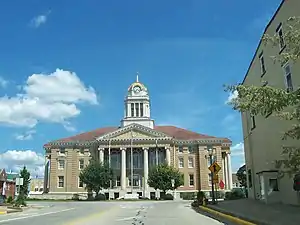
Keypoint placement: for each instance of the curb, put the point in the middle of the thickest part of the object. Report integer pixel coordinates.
(232, 218)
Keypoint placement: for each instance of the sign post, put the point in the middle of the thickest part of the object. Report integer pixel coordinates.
(214, 169)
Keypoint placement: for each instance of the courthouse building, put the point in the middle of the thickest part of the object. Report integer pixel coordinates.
(150, 145)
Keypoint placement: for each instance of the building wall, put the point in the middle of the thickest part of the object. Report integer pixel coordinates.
(263, 142)
(72, 157)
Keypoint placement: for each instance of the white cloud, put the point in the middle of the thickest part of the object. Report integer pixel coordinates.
(48, 98)
(231, 96)
(15, 160)
(237, 149)
(238, 156)
(39, 20)
(3, 82)
(28, 135)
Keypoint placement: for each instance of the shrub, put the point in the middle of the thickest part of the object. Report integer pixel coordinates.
(188, 195)
(168, 197)
(235, 194)
(195, 203)
(75, 197)
(100, 197)
(9, 199)
(201, 196)
(220, 194)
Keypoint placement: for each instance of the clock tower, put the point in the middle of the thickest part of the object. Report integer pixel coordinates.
(137, 106)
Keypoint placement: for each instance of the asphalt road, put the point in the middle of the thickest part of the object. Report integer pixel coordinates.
(109, 213)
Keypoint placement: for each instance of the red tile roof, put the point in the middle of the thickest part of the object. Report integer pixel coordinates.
(175, 132)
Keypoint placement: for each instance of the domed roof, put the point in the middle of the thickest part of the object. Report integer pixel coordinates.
(137, 83)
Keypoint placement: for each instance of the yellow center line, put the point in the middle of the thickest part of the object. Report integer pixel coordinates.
(85, 219)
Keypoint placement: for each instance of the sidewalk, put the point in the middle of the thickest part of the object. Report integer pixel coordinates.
(260, 213)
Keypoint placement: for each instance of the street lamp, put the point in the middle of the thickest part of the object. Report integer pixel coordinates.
(210, 153)
(173, 185)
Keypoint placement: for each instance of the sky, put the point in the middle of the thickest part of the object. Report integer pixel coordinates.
(65, 67)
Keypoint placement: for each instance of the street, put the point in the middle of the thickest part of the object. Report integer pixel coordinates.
(109, 213)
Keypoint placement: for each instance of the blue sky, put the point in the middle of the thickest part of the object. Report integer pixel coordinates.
(184, 51)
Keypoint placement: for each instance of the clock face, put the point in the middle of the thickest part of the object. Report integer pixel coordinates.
(136, 89)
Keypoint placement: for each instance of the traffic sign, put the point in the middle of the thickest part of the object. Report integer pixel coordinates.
(221, 184)
(216, 179)
(215, 168)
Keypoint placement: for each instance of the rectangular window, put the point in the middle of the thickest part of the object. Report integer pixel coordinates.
(262, 64)
(180, 162)
(80, 183)
(191, 162)
(214, 158)
(137, 110)
(61, 164)
(273, 184)
(209, 178)
(190, 149)
(61, 181)
(250, 178)
(253, 124)
(142, 109)
(81, 151)
(280, 36)
(180, 149)
(191, 179)
(81, 164)
(62, 151)
(132, 110)
(288, 78)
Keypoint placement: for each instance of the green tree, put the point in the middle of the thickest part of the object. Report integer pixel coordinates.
(96, 176)
(23, 191)
(241, 176)
(284, 104)
(161, 176)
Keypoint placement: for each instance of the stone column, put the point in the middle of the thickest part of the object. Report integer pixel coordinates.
(229, 171)
(223, 168)
(168, 156)
(146, 170)
(101, 154)
(226, 172)
(123, 169)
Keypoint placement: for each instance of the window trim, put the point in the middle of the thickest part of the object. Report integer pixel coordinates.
(284, 66)
(180, 147)
(193, 162)
(79, 164)
(179, 158)
(209, 180)
(190, 180)
(278, 29)
(262, 64)
(64, 164)
(79, 183)
(253, 122)
(59, 182)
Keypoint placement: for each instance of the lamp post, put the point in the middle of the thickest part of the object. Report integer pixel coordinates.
(173, 185)
(210, 153)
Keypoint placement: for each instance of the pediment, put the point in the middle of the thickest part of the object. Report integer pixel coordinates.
(135, 131)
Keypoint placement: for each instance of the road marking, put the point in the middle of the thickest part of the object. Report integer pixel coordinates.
(89, 217)
(229, 217)
(35, 215)
(127, 218)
